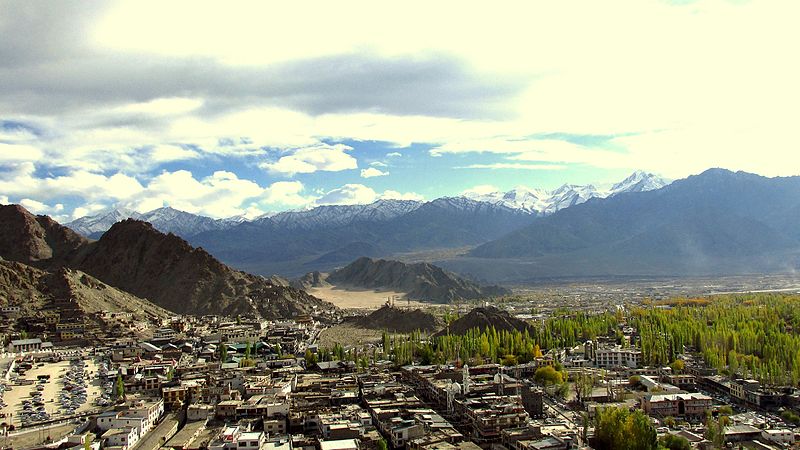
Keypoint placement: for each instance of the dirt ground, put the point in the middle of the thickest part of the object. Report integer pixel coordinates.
(346, 335)
(13, 397)
(359, 299)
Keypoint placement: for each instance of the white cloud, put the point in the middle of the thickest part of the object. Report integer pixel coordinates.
(394, 155)
(14, 153)
(4, 200)
(515, 166)
(286, 193)
(358, 194)
(481, 189)
(166, 153)
(378, 164)
(394, 195)
(371, 172)
(349, 194)
(87, 209)
(322, 157)
(38, 207)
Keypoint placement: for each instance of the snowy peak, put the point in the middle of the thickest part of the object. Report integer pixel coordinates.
(340, 215)
(639, 181)
(92, 226)
(542, 202)
(165, 219)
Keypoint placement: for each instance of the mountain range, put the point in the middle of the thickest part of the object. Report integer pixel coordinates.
(141, 261)
(717, 222)
(292, 243)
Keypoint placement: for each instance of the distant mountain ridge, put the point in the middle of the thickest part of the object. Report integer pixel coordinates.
(166, 220)
(420, 281)
(718, 222)
(541, 202)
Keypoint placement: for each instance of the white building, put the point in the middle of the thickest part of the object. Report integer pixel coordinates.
(778, 436)
(617, 357)
(123, 437)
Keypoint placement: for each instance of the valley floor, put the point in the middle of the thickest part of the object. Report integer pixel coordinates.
(360, 299)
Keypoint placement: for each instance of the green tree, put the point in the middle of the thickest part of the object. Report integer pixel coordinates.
(677, 366)
(119, 387)
(382, 445)
(674, 442)
(311, 358)
(223, 352)
(583, 383)
(547, 375)
(621, 429)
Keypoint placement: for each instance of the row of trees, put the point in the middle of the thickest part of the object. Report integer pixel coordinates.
(755, 336)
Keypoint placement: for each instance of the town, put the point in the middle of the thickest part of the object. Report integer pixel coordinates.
(212, 382)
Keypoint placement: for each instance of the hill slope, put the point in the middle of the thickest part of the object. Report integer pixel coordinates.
(35, 290)
(162, 268)
(421, 281)
(397, 320)
(166, 270)
(715, 222)
(484, 318)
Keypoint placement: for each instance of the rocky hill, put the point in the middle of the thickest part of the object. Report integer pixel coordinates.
(398, 320)
(311, 280)
(420, 281)
(484, 318)
(166, 270)
(162, 268)
(31, 239)
(35, 290)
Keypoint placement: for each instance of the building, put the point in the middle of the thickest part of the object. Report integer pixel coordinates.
(123, 437)
(25, 345)
(778, 436)
(674, 405)
(617, 357)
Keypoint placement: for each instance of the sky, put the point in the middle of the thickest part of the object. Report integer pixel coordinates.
(224, 109)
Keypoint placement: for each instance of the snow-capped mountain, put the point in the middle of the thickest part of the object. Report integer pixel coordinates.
(95, 225)
(339, 215)
(166, 220)
(541, 202)
(537, 202)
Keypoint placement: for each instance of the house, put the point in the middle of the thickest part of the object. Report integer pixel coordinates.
(123, 437)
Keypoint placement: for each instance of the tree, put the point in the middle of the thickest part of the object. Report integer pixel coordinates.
(715, 430)
(547, 375)
(120, 387)
(311, 358)
(223, 352)
(382, 445)
(675, 442)
(582, 385)
(677, 366)
(621, 429)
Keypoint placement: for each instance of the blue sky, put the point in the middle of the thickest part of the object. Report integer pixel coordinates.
(225, 110)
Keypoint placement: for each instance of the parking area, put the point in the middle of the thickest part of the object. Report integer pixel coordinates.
(49, 391)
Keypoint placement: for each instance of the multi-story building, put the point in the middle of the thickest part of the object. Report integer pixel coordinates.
(674, 405)
(617, 357)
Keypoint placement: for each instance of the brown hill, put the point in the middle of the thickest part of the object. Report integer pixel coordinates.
(35, 290)
(420, 281)
(33, 239)
(138, 259)
(399, 320)
(166, 270)
(484, 318)
(311, 280)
